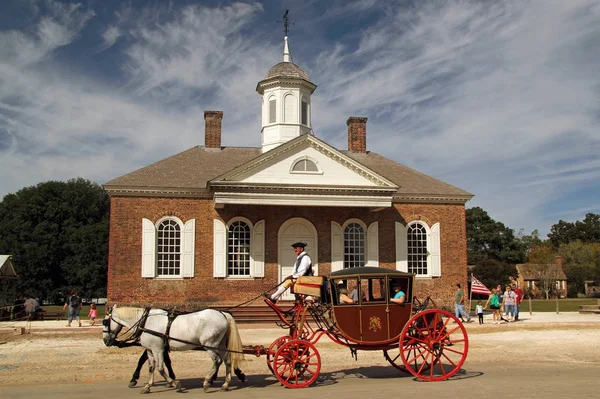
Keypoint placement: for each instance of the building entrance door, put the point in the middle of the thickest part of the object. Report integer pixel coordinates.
(294, 230)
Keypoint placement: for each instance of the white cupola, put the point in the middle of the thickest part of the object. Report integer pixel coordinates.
(286, 109)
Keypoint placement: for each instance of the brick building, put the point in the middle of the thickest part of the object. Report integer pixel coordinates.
(215, 224)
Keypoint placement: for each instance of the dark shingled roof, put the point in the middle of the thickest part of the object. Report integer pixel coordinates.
(287, 70)
(531, 271)
(409, 180)
(194, 168)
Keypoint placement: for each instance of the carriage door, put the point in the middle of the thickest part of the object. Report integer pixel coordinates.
(294, 230)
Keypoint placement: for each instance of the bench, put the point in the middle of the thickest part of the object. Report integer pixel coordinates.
(589, 309)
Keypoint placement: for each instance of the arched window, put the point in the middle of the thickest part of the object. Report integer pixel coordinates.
(354, 245)
(272, 110)
(238, 249)
(417, 249)
(305, 165)
(169, 248)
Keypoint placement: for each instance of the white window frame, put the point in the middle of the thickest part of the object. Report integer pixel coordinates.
(221, 249)
(305, 172)
(337, 243)
(364, 244)
(150, 248)
(250, 228)
(433, 248)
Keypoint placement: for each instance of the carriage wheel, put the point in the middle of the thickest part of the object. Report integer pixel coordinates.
(395, 361)
(297, 364)
(273, 350)
(433, 345)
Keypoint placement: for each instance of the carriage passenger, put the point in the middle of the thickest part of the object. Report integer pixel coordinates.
(344, 298)
(399, 295)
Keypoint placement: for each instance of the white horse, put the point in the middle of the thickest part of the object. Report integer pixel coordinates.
(209, 329)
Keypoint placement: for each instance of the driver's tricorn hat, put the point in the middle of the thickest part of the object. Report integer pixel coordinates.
(299, 245)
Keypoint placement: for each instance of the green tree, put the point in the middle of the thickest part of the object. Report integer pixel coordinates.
(488, 239)
(587, 231)
(581, 263)
(57, 233)
(492, 272)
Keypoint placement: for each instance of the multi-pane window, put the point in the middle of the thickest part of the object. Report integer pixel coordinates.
(354, 245)
(169, 248)
(304, 113)
(417, 249)
(238, 249)
(305, 165)
(272, 111)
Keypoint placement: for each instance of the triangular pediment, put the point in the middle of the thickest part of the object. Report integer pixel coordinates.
(326, 167)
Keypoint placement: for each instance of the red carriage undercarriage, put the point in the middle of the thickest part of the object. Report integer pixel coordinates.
(431, 344)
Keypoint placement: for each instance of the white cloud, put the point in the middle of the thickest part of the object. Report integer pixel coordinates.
(499, 98)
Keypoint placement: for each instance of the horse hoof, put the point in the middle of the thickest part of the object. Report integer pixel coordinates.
(145, 390)
(205, 387)
(179, 387)
(242, 377)
(132, 383)
(224, 388)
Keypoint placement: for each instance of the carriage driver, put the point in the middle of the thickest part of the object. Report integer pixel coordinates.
(302, 267)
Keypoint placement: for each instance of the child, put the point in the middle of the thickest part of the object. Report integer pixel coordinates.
(479, 309)
(93, 314)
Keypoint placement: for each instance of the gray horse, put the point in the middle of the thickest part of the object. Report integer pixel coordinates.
(210, 329)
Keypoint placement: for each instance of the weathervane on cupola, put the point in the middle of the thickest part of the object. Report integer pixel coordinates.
(286, 28)
(285, 91)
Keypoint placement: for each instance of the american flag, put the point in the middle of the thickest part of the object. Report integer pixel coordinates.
(477, 287)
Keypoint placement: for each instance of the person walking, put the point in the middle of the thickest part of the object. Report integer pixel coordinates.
(459, 306)
(480, 312)
(519, 298)
(74, 304)
(494, 304)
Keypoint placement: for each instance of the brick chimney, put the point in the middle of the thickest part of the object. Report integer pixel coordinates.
(212, 129)
(357, 134)
(558, 260)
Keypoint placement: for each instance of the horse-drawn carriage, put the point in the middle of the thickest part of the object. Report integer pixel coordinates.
(429, 343)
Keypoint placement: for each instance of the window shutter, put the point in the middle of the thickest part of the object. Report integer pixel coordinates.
(401, 248)
(434, 251)
(272, 111)
(148, 249)
(304, 113)
(258, 249)
(187, 252)
(219, 249)
(373, 245)
(337, 247)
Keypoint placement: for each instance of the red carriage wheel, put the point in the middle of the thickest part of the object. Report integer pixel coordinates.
(395, 360)
(433, 345)
(273, 350)
(297, 364)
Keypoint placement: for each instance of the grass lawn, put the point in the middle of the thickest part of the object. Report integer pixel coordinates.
(549, 305)
(85, 310)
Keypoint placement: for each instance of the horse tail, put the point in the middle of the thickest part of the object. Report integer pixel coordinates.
(234, 344)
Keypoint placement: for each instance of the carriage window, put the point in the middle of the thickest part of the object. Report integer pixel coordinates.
(349, 288)
(373, 289)
(169, 248)
(354, 245)
(417, 249)
(238, 249)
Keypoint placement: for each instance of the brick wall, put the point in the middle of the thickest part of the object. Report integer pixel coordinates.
(125, 284)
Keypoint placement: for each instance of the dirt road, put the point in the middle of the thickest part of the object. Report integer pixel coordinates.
(78, 355)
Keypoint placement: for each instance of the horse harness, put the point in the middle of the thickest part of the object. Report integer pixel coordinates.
(140, 327)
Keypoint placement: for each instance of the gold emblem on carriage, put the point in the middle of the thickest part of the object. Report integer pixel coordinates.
(374, 323)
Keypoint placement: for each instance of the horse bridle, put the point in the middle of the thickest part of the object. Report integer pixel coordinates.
(136, 328)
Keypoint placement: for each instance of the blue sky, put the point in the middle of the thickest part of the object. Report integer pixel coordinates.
(500, 98)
